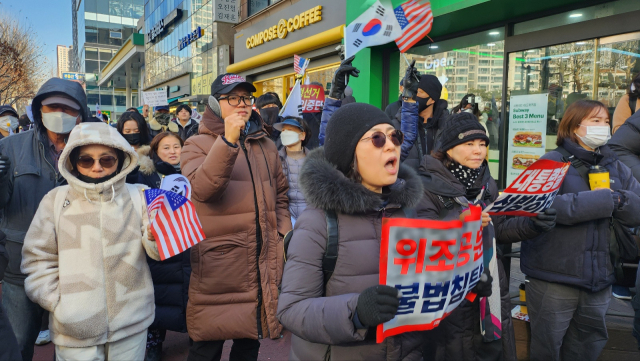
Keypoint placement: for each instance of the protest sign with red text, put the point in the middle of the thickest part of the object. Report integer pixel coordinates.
(532, 192)
(312, 98)
(434, 264)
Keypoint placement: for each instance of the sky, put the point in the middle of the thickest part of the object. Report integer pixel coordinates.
(49, 19)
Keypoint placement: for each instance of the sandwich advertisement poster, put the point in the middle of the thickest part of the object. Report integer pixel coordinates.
(527, 132)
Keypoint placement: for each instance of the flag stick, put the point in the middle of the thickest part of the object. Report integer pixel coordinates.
(408, 64)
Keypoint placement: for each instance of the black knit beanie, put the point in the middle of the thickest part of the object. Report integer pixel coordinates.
(460, 128)
(346, 126)
(430, 84)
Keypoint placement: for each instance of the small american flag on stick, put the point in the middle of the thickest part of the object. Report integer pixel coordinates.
(415, 19)
(174, 222)
(300, 64)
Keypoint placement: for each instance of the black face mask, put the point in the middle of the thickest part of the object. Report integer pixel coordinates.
(163, 118)
(422, 103)
(133, 138)
(269, 115)
(90, 180)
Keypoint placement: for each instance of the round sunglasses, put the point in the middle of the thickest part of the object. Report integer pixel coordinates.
(87, 162)
(379, 138)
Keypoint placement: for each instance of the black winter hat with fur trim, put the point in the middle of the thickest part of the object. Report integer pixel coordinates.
(346, 126)
(460, 128)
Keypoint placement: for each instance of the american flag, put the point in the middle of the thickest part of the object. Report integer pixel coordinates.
(416, 20)
(300, 64)
(176, 226)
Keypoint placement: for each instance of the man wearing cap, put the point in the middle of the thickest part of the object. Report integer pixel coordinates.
(8, 121)
(423, 115)
(28, 171)
(161, 121)
(240, 195)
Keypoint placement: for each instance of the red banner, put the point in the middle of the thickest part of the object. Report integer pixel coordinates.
(312, 98)
(532, 192)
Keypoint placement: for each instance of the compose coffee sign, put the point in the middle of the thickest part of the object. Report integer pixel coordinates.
(285, 26)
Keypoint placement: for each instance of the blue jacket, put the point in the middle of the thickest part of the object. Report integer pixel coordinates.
(171, 276)
(416, 131)
(626, 143)
(32, 174)
(576, 251)
(330, 106)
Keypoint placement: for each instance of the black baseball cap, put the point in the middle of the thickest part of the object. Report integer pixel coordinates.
(227, 82)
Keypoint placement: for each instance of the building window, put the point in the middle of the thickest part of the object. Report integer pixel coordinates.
(258, 5)
(115, 35)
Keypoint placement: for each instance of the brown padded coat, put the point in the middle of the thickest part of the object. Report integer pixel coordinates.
(227, 288)
(322, 326)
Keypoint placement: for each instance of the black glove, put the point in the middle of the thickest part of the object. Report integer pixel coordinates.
(544, 222)
(341, 77)
(483, 288)
(5, 164)
(410, 81)
(377, 304)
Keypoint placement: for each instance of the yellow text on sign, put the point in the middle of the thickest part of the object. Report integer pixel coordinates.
(285, 26)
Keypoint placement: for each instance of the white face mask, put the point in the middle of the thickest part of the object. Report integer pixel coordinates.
(59, 122)
(9, 123)
(289, 137)
(596, 137)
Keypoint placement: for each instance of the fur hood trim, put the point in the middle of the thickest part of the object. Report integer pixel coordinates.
(144, 160)
(326, 188)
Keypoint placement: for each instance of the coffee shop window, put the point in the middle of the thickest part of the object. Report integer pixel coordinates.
(258, 5)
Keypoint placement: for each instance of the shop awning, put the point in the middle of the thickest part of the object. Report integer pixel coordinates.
(129, 56)
(194, 98)
(176, 99)
(317, 41)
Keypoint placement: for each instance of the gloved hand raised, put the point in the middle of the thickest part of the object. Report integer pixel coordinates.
(545, 222)
(5, 164)
(483, 288)
(341, 77)
(410, 81)
(377, 304)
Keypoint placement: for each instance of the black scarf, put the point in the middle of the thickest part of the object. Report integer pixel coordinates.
(467, 176)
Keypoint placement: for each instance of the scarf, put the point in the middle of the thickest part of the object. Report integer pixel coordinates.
(467, 176)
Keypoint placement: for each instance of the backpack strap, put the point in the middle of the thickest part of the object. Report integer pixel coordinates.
(633, 99)
(59, 204)
(575, 162)
(136, 198)
(330, 256)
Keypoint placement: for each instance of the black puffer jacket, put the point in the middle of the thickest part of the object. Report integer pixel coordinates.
(171, 276)
(425, 138)
(625, 142)
(458, 336)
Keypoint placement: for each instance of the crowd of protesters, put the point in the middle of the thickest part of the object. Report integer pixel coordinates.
(75, 239)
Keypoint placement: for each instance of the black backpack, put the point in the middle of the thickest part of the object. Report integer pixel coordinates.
(330, 256)
(622, 245)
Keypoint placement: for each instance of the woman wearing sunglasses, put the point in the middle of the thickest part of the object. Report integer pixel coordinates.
(456, 176)
(353, 181)
(171, 276)
(84, 253)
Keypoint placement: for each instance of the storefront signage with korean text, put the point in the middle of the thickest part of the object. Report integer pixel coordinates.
(285, 26)
(156, 30)
(532, 192)
(202, 85)
(312, 98)
(434, 265)
(193, 36)
(226, 11)
(527, 132)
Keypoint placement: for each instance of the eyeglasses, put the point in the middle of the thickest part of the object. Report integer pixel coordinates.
(379, 138)
(87, 162)
(234, 100)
